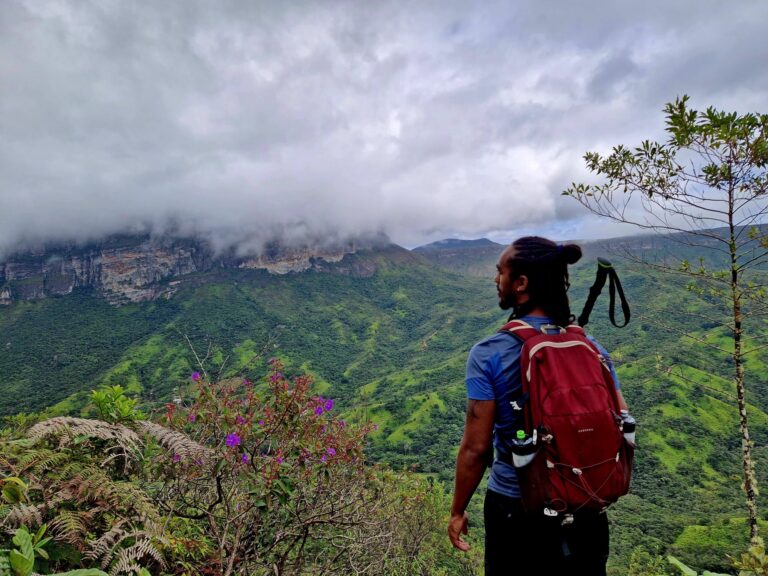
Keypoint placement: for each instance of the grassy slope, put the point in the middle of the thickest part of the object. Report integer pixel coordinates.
(391, 348)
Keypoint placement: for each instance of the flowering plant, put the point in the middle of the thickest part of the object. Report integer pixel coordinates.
(268, 473)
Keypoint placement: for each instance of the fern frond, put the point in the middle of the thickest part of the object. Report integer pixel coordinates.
(72, 468)
(42, 459)
(127, 558)
(176, 442)
(104, 546)
(71, 526)
(23, 515)
(67, 428)
(145, 509)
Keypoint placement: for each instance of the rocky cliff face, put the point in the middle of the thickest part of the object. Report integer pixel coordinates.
(136, 269)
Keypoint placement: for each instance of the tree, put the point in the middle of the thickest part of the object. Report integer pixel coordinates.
(706, 188)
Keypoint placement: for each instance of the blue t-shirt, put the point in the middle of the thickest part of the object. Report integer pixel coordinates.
(493, 373)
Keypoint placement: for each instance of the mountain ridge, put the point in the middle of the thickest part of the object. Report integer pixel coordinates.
(138, 269)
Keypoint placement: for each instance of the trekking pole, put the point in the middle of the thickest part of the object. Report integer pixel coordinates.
(605, 271)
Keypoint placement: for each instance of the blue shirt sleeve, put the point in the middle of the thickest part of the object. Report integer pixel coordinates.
(479, 380)
(608, 360)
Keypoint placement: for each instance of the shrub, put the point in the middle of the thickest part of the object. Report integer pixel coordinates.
(239, 478)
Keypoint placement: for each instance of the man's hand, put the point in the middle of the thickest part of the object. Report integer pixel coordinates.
(458, 525)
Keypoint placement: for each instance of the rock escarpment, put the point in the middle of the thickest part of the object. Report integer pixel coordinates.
(138, 269)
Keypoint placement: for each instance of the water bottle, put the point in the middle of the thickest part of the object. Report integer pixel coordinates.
(628, 426)
(523, 448)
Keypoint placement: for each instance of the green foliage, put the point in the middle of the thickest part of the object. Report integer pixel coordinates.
(114, 406)
(28, 548)
(261, 473)
(644, 563)
(14, 490)
(23, 557)
(686, 571)
(753, 562)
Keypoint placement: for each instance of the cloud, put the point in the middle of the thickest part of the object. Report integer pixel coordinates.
(248, 121)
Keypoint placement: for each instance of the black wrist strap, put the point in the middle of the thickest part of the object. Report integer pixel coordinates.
(605, 271)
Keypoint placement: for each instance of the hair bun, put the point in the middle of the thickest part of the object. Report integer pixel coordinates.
(571, 253)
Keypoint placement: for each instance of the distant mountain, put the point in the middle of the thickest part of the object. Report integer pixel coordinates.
(456, 243)
(472, 257)
(126, 269)
(479, 257)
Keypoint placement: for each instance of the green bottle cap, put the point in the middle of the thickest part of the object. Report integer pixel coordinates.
(521, 434)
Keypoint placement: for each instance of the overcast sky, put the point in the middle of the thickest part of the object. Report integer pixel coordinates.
(243, 120)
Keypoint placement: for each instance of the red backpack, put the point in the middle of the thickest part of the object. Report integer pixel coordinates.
(581, 460)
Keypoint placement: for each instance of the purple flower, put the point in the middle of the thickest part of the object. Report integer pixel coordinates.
(323, 429)
(195, 376)
(329, 405)
(239, 420)
(275, 377)
(246, 382)
(331, 451)
(192, 417)
(375, 427)
(176, 458)
(279, 460)
(323, 459)
(319, 410)
(199, 462)
(233, 440)
(244, 459)
(261, 422)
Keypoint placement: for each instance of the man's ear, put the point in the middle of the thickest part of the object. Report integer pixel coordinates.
(521, 283)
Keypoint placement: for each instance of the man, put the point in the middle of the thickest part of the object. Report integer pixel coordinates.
(532, 280)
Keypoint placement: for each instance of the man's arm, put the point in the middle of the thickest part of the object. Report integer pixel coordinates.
(471, 462)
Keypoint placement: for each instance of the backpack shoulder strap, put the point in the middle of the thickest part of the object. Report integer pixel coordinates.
(575, 329)
(519, 329)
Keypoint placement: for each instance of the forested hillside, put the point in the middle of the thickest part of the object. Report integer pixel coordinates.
(390, 350)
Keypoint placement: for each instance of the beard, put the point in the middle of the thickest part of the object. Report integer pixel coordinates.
(506, 303)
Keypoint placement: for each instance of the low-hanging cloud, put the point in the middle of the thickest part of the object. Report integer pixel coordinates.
(248, 121)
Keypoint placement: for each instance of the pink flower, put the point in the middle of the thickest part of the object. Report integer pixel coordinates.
(233, 440)
(176, 458)
(195, 376)
(192, 417)
(275, 377)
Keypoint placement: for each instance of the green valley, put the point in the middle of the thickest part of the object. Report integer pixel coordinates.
(389, 347)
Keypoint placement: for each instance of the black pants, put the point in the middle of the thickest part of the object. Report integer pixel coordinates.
(518, 544)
